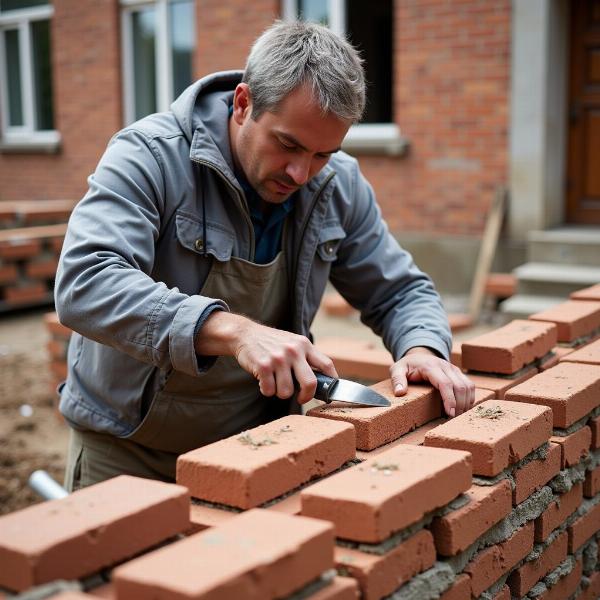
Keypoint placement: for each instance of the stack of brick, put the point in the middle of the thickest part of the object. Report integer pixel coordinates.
(31, 237)
(58, 343)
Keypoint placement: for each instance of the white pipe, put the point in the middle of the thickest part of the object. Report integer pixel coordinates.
(41, 483)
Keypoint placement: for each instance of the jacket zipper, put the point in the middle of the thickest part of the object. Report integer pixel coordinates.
(240, 200)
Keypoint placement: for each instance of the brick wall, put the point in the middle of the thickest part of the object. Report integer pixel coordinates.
(451, 100)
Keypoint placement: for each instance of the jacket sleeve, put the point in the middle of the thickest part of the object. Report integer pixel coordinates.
(379, 278)
(103, 289)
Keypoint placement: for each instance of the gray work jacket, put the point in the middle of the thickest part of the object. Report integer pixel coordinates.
(164, 203)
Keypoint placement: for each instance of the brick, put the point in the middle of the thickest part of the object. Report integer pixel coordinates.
(341, 588)
(589, 354)
(8, 274)
(55, 327)
(535, 474)
(562, 351)
(334, 305)
(19, 249)
(584, 528)
(371, 501)
(26, 294)
(574, 447)
(59, 369)
(503, 594)
(376, 426)
(496, 442)
(357, 359)
(456, 354)
(256, 555)
(521, 580)
(591, 485)
(548, 362)
(42, 269)
(500, 385)
(566, 586)
(557, 512)
(571, 390)
(457, 530)
(57, 349)
(574, 319)
(594, 425)
(509, 348)
(204, 517)
(459, 590)
(379, 576)
(106, 591)
(589, 293)
(88, 530)
(592, 592)
(497, 560)
(482, 395)
(265, 462)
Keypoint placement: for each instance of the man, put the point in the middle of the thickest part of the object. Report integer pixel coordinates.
(195, 264)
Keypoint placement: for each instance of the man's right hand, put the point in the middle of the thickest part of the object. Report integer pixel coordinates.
(271, 355)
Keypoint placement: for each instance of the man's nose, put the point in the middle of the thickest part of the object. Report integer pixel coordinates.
(299, 170)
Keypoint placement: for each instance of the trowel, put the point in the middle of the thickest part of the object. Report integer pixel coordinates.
(343, 390)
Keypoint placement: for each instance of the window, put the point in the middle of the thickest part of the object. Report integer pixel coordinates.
(158, 44)
(27, 116)
(369, 26)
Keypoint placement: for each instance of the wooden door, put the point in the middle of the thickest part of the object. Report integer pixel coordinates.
(583, 167)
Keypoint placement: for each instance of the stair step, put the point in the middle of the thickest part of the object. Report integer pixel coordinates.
(522, 306)
(566, 245)
(539, 279)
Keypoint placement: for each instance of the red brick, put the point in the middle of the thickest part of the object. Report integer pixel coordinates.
(503, 594)
(493, 562)
(592, 592)
(26, 294)
(535, 474)
(509, 348)
(501, 285)
(59, 369)
(376, 426)
(357, 359)
(495, 443)
(584, 528)
(566, 586)
(341, 588)
(589, 293)
(265, 462)
(457, 530)
(371, 501)
(55, 327)
(594, 425)
(574, 319)
(42, 269)
(574, 447)
(591, 485)
(557, 512)
(500, 385)
(571, 390)
(548, 362)
(8, 274)
(334, 305)
(459, 590)
(456, 354)
(562, 351)
(589, 354)
(258, 555)
(57, 349)
(521, 580)
(19, 249)
(379, 576)
(92, 528)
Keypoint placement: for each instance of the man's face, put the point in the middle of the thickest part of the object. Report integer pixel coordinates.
(282, 150)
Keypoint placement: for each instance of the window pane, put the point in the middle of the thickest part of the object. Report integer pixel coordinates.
(314, 10)
(370, 30)
(16, 4)
(144, 61)
(42, 75)
(181, 19)
(13, 71)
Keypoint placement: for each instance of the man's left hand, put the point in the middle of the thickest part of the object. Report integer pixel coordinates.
(421, 364)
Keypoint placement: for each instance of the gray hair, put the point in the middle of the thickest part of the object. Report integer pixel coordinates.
(290, 54)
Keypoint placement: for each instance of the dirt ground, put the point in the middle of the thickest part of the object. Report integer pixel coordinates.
(32, 434)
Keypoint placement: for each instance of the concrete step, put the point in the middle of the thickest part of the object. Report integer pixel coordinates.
(549, 279)
(521, 306)
(565, 245)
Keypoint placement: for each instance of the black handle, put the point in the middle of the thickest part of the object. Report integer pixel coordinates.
(325, 385)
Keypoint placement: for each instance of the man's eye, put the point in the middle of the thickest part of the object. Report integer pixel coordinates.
(286, 146)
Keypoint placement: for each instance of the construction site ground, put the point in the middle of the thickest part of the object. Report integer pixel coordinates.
(32, 433)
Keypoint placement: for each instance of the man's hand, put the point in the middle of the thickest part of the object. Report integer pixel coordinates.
(421, 364)
(271, 355)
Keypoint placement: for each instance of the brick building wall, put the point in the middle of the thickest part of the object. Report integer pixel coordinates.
(451, 94)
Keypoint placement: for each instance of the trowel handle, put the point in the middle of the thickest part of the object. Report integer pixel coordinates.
(325, 385)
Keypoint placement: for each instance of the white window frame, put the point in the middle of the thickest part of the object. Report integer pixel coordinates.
(25, 137)
(364, 138)
(162, 51)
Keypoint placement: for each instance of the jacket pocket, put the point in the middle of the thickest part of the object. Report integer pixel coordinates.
(190, 233)
(330, 238)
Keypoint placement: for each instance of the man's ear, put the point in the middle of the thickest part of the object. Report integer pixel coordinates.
(242, 103)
